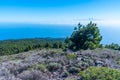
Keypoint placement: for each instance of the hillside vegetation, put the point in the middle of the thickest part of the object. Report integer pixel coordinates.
(56, 64)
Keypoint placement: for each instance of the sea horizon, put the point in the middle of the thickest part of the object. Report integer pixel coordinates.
(23, 31)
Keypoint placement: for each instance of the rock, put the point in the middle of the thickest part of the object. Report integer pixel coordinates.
(99, 63)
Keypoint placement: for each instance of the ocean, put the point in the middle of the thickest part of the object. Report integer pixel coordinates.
(20, 31)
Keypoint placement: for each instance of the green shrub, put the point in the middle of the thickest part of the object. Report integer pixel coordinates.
(41, 67)
(70, 79)
(65, 74)
(100, 73)
(74, 70)
(53, 66)
(72, 56)
(118, 61)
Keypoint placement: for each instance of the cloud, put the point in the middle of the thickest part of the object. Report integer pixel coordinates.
(90, 19)
(87, 20)
(101, 22)
(70, 21)
(110, 22)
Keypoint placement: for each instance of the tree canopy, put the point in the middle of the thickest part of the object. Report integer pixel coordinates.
(85, 37)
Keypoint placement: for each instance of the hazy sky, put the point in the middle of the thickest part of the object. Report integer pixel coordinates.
(103, 12)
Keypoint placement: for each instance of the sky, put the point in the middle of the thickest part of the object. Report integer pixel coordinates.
(102, 12)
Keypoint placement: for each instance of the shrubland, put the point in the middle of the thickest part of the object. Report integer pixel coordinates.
(52, 64)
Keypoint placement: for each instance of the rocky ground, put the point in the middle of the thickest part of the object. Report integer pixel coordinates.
(55, 64)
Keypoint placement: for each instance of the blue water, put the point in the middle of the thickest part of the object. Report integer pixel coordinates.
(19, 31)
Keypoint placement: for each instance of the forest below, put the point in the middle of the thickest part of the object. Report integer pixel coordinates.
(8, 47)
